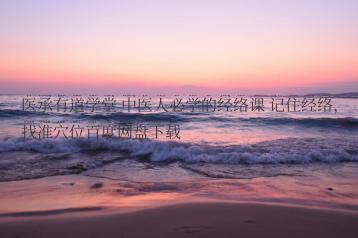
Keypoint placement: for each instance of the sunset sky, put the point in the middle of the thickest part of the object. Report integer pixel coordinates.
(150, 45)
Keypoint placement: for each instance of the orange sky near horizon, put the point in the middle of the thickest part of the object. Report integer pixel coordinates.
(158, 44)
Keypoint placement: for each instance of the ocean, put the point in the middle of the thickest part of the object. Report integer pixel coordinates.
(292, 157)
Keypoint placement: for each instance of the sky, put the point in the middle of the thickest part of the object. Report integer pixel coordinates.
(107, 46)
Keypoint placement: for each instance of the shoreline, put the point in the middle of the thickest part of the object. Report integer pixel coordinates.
(78, 191)
(118, 210)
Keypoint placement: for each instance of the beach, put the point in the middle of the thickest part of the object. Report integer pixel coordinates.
(214, 219)
(82, 206)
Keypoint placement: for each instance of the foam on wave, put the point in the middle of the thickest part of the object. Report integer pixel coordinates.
(284, 151)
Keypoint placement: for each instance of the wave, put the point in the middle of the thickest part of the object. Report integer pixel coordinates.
(28, 159)
(13, 113)
(235, 119)
(117, 116)
(137, 117)
(346, 122)
(282, 151)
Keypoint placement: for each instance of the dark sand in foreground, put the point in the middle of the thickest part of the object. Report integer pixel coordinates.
(189, 220)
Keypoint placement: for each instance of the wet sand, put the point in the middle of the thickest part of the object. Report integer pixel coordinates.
(81, 206)
(206, 219)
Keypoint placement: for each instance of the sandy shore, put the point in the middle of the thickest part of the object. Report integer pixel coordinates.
(187, 220)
